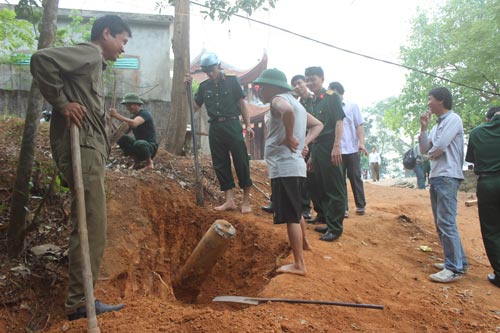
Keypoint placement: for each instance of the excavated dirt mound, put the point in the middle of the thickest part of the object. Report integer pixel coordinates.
(154, 225)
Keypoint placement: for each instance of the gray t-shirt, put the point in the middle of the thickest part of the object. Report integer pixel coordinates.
(281, 161)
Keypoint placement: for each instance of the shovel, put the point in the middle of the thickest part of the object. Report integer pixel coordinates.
(76, 160)
(258, 300)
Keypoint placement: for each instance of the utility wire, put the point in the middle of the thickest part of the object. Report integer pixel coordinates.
(353, 52)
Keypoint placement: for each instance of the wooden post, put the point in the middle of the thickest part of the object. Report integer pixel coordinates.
(204, 257)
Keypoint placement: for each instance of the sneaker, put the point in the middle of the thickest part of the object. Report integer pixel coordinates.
(360, 211)
(445, 276)
(346, 214)
(439, 265)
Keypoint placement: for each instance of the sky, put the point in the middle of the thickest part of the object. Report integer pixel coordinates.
(375, 28)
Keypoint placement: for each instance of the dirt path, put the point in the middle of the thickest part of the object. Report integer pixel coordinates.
(377, 261)
(154, 225)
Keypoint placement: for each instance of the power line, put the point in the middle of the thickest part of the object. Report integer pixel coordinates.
(353, 52)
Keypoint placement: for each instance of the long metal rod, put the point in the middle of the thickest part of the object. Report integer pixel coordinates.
(198, 186)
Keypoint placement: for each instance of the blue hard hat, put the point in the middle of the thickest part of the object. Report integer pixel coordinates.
(209, 59)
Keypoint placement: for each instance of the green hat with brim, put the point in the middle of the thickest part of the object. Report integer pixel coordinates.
(273, 77)
(131, 99)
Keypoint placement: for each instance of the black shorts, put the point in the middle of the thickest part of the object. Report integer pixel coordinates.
(286, 198)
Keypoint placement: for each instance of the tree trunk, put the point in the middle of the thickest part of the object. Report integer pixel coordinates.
(175, 132)
(20, 194)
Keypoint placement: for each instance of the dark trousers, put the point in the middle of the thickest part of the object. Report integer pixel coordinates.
(351, 169)
(140, 150)
(226, 141)
(327, 188)
(488, 199)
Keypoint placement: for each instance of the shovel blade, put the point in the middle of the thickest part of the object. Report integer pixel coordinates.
(236, 299)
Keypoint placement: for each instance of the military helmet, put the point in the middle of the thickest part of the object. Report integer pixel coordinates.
(131, 98)
(273, 77)
(209, 59)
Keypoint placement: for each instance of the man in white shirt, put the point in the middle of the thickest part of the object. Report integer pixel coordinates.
(374, 160)
(353, 144)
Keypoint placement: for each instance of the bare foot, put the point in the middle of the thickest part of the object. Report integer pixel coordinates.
(306, 246)
(291, 269)
(245, 208)
(148, 166)
(226, 206)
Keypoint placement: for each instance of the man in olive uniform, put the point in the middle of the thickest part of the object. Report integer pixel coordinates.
(482, 150)
(305, 97)
(143, 146)
(327, 185)
(71, 79)
(224, 100)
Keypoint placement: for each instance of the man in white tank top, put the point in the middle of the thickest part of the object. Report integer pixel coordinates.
(285, 142)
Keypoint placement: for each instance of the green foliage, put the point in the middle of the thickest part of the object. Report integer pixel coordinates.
(77, 31)
(389, 143)
(458, 41)
(60, 186)
(224, 9)
(14, 34)
(18, 33)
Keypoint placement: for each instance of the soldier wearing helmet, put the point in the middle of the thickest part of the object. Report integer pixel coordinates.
(225, 102)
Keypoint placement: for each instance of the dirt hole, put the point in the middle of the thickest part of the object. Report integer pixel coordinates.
(166, 232)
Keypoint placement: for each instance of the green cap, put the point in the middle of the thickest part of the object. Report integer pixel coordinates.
(273, 77)
(131, 98)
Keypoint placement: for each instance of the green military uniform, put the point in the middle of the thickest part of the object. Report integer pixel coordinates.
(222, 100)
(75, 74)
(143, 145)
(482, 150)
(327, 186)
(306, 195)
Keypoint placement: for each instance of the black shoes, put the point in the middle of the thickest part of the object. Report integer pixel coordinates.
(360, 211)
(268, 209)
(494, 279)
(329, 237)
(100, 308)
(306, 215)
(321, 230)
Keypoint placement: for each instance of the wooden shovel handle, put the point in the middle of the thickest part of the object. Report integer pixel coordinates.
(76, 159)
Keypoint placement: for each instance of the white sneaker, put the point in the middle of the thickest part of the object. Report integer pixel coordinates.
(445, 276)
(439, 265)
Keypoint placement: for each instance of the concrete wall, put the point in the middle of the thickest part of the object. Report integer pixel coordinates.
(150, 43)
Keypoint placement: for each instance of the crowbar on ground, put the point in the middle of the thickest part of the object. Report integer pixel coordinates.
(259, 300)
